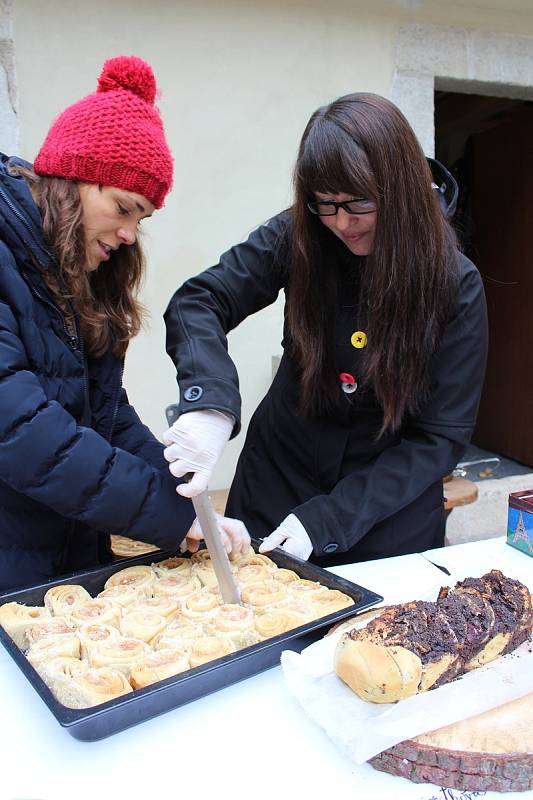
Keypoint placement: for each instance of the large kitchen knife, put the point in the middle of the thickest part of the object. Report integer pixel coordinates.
(219, 558)
(208, 524)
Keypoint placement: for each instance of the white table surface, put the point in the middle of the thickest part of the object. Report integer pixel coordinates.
(250, 740)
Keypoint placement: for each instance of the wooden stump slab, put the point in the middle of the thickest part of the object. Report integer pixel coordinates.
(490, 752)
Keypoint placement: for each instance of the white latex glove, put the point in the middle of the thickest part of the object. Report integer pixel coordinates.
(195, 442)
(235, 537)
(295, 537)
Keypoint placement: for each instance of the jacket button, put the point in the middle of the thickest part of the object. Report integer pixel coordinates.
(330, 548)
(193, 393)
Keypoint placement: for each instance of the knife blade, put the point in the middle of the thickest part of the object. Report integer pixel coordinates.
(208, 523)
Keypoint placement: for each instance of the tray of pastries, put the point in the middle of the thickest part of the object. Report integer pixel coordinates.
(111, 647)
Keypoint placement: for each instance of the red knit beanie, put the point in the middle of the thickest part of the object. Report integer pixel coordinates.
(114, 136)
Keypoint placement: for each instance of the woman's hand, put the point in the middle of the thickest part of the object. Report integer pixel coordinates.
(233, 532)
(195, 442)
(292, 537)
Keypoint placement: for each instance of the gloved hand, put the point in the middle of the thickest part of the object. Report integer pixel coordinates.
(235, 537)
(195, 442)
(295, 537)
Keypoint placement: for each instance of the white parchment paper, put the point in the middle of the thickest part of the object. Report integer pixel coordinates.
(362, 730)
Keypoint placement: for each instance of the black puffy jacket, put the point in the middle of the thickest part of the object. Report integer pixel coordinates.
(75, 460)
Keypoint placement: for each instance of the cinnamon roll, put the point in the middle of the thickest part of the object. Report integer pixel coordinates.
(119, 654)
(142, 624)
(172, 566)
(234, 621)
(304, 589)
(206, 574)
(279, 620)
(77, 685)
(285, 575)
(200, 603)
(97, 610)
(56, 626)
(262, 595)
(91, 633)
(122, 594)
(140, 578)
(52, 647)
(249, 574)
(177, 587)
(167, 606)
(63, 599)
(207, 648)
(200, 557)
(15, 619)
(179, 634)
(157, 666)
(329, 601)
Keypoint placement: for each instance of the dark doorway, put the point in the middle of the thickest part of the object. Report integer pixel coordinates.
(487, 143)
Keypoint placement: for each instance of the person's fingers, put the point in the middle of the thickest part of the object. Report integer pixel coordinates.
(272, 541)
(193, 545)
(168, 437)
(237, 532)
(194, 487)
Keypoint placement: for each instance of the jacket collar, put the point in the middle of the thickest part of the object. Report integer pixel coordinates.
(20, 218)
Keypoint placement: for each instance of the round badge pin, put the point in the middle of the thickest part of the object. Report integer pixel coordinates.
(358, 339)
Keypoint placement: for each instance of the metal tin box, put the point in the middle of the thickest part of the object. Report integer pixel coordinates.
(520, 521)
(97, 722)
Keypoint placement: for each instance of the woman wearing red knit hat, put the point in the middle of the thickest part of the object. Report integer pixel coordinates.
(76, 462)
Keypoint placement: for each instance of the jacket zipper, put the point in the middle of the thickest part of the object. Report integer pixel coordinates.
(117, 397)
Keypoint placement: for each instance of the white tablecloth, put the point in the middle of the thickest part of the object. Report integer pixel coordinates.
(250, 740)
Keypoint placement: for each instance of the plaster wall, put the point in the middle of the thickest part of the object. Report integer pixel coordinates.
(238, 81)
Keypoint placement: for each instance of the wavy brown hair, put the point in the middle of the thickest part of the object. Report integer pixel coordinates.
(105, 299)
(362, 145)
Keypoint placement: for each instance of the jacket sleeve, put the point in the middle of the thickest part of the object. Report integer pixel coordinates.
(431, 444)
(73, 470)
(130, 434)
(248, 278)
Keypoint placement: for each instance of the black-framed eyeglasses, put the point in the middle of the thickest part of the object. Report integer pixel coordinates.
(328, 208)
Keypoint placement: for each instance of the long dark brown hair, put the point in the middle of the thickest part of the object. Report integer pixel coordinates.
(105, 299)
(362, 145)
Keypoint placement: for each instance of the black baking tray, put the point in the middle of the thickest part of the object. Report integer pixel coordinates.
(100, 721)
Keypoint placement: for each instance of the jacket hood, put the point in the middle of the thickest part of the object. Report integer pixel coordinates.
(20, 218)
(446, 187)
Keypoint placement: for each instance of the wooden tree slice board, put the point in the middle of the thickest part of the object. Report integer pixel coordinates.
(492, 751)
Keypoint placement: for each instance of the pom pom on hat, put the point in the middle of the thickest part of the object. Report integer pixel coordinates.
(114, 136)
(130, 73)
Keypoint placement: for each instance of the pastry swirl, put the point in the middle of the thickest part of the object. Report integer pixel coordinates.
(63, 599)
(119, 654)
(139, 577)
(207, 648)
(172, 566)
(176, 586)
(97, 610)
(77, 685)
(122, 594)
(261, 595)
(15, 619)
(279, 620)
(200, 603)
(157, 666)
(52, 647)
(234, 621)
(91, 633)
(142, 624)
(56, 626)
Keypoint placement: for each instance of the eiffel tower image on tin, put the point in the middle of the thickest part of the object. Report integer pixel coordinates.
(520, 534)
